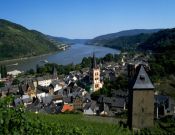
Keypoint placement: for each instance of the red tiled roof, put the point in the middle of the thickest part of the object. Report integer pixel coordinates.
(67, 107)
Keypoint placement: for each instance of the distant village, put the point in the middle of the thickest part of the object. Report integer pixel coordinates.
(55, 94)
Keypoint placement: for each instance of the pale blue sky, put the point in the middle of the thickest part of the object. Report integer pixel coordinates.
(88, 18)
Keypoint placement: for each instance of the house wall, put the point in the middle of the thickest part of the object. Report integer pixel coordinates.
(57, 87)
(45, 82)
(89, 112)
(143, 109)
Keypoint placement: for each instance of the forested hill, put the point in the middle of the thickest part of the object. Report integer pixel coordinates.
(162, 45)
(126, 33)
(17, 41)
(161, 41)
(125, 39)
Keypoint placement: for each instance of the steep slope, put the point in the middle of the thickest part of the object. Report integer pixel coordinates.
(17, 41)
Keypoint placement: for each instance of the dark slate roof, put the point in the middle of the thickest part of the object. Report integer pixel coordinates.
(104, 99)
(30, 84)
(42, 89)
(91, 105)
(117, 102)
(160, 98)
(142, 80)
(47, 100)
(54, 83)
(119, 92)
(67, 99)
(17, 101)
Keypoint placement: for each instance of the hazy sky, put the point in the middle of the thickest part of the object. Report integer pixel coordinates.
(88, 18)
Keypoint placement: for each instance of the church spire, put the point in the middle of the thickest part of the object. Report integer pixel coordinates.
(55, 73)
(94, 64)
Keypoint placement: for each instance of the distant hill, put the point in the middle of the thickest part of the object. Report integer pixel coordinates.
(60, 39)
(67, 40)
(17, 41)
(126, 33)
(123, 39)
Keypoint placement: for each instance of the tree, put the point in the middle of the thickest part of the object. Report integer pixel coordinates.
(15, 82)
(31, 71)
(2, 84)
(3, 71)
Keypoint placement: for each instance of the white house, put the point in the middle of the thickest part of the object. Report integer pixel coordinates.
(41, 95)
(14, 73)
(90, 108)
(44, 81)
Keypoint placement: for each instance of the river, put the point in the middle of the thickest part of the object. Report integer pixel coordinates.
(74, 54)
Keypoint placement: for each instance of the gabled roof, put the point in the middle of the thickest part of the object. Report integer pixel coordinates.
(142, 80)
(117, 102)
(90, 105)
(67, 107)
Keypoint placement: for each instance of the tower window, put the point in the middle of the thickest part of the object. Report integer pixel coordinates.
(96, 85)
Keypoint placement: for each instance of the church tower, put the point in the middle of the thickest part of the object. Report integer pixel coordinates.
(95, 75)
(141, 100)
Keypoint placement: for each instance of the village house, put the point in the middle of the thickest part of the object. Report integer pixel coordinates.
(14, 73)
(164, 105)
(44, 81)
(90, 108)
(111, 105)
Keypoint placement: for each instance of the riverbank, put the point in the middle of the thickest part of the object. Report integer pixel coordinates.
(62, 48)
(26, 58)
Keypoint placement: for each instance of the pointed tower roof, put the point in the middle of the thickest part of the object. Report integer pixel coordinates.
(142, 81)
(54, 72)
(94, 64)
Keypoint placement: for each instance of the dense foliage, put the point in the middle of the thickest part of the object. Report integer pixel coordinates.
(3, 71)
(16, 41)
(121, 83)
(160, 41)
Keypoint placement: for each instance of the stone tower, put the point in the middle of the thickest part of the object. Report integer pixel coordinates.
(141, 101)
(95, 75)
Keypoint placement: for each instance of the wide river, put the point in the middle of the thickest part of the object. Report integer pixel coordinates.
(74, 54)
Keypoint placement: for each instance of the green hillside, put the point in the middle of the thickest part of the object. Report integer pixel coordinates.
(160, 41)
(123, 40)
(17, 41)
(126, 42)
(162, 44)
